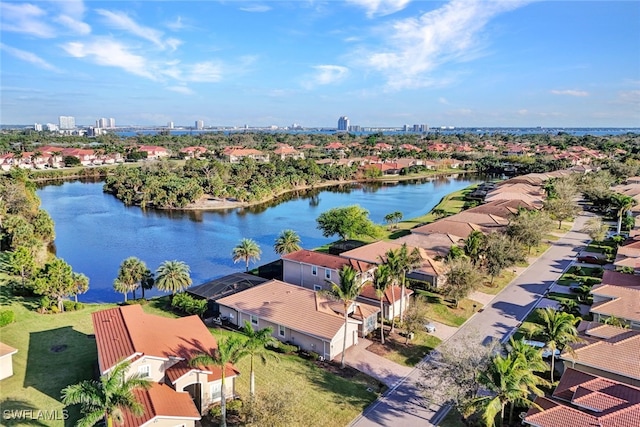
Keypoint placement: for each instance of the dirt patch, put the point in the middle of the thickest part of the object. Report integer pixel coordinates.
(58, 348)
(347, 372)
(392, 342)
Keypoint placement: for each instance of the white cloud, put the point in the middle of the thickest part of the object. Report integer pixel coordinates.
(122, 21)
(73, 8)
(74, 25)
(180, 89)
(414, 47)
(326, 74)
(107, 52)
(380, 7)
(570, 92)
(256, 8)
(629, 97)
(205, 72)
(443, 100)
(28, 57)
(26, 19)
(176, 25)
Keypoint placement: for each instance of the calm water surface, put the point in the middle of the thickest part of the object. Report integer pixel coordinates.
(96, 232)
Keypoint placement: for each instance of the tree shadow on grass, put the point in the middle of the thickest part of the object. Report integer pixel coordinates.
(7, 296)
(58, 358)
(17, 412)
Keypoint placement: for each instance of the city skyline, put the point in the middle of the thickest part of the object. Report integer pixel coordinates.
(459, 63)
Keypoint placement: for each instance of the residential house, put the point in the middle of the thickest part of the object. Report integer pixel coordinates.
(222, 287)
(160, 349)
(193, 152)
(86, 156)
(488, 223)
(410, 147)
(6, 360)
(446, 226)
(285, 151)
(503, 208)
(383, 146)
(436, 245)
(606, 351)
(300, 316)
(619, 296)
(584, 399)
(154, 151)
(390, 299)
(314, 270)
(235, 154)
(628, 255)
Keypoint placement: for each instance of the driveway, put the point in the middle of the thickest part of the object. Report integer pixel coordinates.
(384, 370)
(444, 332)
(403, 406)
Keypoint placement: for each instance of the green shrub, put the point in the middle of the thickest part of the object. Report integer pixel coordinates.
(6, 317)
(54, 309)
(215, 411)
(69, 305)
(45, 302)
(234, 407)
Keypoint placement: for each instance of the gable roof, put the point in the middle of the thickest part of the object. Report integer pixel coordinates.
(6, 350)
(502, 208)
(617, 353)
(446, 226)
(590, 401)
(223, 286)
(391, 294)
(624, 302)
(127, 332)
(320, 259)
(161, 401)
(435, 244)
(291, 306)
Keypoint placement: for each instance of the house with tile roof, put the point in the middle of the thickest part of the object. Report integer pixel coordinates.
(160, 348)
(235, 154)
(606, 351)
(154, 151)
(285, 151)
(436, 245)
(618, 295)
(446, 226)
(300, 316)
(6, 360)
(194, 152)
(586, 400)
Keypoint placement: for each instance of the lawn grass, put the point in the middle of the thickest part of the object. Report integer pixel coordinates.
(499, 282)
(444, 312)
(40, 373)
(453, 419)
(560, 297)
(323, 398)
(408, 354)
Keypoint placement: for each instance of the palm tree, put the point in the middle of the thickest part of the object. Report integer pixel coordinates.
(473, 245)
(381, 282)
(288, 241)
(556, 330)
(346, 291)
(510, 380)
(173, 276)
(255, 346)
(246, 250)
(406, 261)
(107, 397)
(621, 203)
(228, 352)
(392, 264)
(130, 275)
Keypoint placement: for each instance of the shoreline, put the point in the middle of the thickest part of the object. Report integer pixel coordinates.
(206, 203)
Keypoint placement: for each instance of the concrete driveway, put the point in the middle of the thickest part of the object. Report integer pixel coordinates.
(384, 370)
(444, 332)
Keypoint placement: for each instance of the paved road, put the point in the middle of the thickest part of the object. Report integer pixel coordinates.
(401, 406)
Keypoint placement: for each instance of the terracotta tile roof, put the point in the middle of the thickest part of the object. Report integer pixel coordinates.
(320, 259)
(610, 277)
(624, 303)
(369, 292)
(163, 402)
(289, 305)
(616, 354)
(375, 253)
(194, 149)
(125, 332)
(182, 368)
(6, 350)
(241, 152)
(594, 400)
(502, 208)
(435, 244)
(446, 226)
(631, 249)
(487, 221)
(363, 311)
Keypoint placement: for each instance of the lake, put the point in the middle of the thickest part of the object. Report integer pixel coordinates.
(95, 232)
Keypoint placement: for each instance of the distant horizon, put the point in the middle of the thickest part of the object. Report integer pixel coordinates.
(462, 63)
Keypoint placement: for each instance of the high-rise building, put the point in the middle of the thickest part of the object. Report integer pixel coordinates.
(343, 123)
(170, 125)
(67, 122)
(37, 127)
(112, 123)
(199, 124)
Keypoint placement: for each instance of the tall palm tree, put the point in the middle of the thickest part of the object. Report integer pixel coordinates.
(509, 380)
(381, 282)
(473, 245)
(621, 203)
(556, 330)
(346, 291)
(392, 263)
(228, 352)
(173, 276)
(246, 250)
(405, 262)
(288, 241)
(130, 275)
(107, 397)
(255, 346)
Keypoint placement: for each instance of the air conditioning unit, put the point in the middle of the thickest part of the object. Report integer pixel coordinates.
(321, 358)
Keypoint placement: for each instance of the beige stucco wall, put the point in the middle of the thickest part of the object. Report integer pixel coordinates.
(156, 368)
(169, 422)
(302, 275)
(6, 366)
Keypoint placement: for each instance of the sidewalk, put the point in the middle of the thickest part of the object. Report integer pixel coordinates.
(378, 367)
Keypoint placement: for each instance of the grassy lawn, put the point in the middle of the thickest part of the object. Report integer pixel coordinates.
(453, 419)
(408, 354)
(444, 312)
(499, 282)
(324, 398)
(56, 350)
(560, 297)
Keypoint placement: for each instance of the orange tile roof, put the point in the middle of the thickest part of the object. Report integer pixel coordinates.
(456, 228)
(182, 368)
(610, 277)
(435, 244)
(392, 292)
(375, 253)
(289, 305)
(163, 402)
(320, 259)
(502, 208)
(624, 302)
(125, 332)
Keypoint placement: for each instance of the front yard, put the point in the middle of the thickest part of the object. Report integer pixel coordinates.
(445, 312)
(408, 354)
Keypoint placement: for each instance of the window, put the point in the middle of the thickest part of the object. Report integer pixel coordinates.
(254, 320)
(314, 270)
(317, 288)
(216, 391)
(281, 330)
(327, 274)
(144, 371)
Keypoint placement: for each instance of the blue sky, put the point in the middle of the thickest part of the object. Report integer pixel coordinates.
(380, 62)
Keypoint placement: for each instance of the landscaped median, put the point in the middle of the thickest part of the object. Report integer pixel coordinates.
(56, 350)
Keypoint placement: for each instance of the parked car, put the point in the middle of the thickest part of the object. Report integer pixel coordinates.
(430, 327)
(590, 259)
(546, 352)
